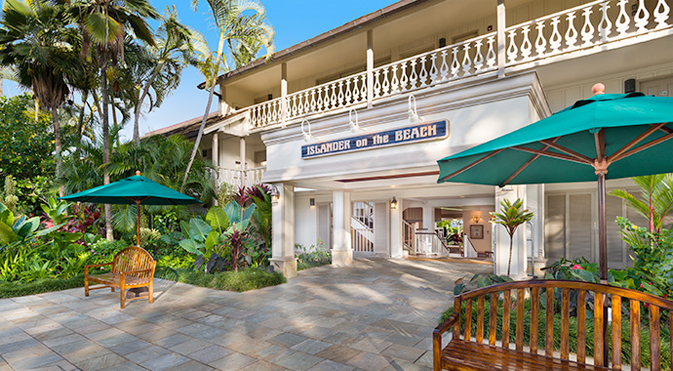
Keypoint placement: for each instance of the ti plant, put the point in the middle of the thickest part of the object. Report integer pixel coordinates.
(221, 239)
(511, 216)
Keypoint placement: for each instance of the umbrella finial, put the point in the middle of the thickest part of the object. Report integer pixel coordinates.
(598, 89)
(137, 172)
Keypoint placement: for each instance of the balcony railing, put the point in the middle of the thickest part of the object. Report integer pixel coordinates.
(240, 178)
(597, 23)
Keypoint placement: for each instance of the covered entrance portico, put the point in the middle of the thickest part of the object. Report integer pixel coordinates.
(356, 185)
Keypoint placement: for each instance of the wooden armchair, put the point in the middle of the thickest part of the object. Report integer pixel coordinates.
(132, 267)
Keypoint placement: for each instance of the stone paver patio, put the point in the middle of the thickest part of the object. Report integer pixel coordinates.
(376, 315)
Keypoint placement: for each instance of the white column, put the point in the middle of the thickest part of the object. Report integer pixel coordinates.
(396, 231)
(535, 247)
(216, 160)
(519, 256)
(370, 68)
(242, 156)
(429, 226)
(502, 38)
(283, 93)
(342, 253)
(224, 106)
(282, 238)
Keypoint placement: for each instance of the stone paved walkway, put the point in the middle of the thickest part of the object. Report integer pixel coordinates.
(375, 315)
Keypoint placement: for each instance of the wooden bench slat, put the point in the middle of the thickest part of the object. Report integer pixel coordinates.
(468, 319)
(581, 326)
(534, 319)
(635, 334)
(519, 318)
(549, 331)
(655, 352)
(457, 309)
(565, 323)
(599, 322)
(480, 319)
(506, 317)
(617, 332)
(493, 320)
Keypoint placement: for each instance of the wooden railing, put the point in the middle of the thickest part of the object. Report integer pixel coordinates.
(240, 178)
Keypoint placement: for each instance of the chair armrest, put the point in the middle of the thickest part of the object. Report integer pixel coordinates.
(444, 326)
(86, 267)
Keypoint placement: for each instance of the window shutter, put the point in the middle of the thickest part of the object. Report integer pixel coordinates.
(554, 227)
(580, 224)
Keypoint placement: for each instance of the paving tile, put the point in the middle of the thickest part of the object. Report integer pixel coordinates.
(98, 363)
(210, 354)
(288, 339)
(130, 347)
(339, 353)
(328, 365)
(298, 361)
(165, 362)
(191, 366)
(143, 355)
(403, 352)
(311, 346)
(232, 362)
(36, 361)
(263, 366)
(371, 345)
(369, 361)
(191, 346)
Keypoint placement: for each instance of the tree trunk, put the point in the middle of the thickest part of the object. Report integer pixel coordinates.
(509, 263)
(139, 104)
(57, 144)
(106, 149)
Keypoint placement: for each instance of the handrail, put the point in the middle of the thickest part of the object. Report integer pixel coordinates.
(467, 241)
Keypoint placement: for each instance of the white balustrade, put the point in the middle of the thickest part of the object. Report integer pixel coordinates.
(240, 178)
(584, 26)
(452, 62)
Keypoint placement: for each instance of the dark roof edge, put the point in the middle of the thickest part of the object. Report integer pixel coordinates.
(323, 37)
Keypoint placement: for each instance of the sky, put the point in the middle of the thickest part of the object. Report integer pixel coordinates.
(293, 20)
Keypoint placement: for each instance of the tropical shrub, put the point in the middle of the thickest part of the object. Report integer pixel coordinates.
(313, 256)
(511, 216)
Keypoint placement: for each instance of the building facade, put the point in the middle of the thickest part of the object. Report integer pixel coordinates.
(348, 126)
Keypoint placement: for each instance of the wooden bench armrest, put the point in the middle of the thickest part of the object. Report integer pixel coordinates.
(444, 326)
(86, 267)
(437, 339)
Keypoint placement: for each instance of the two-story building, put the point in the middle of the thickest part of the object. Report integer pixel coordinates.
(348, 125)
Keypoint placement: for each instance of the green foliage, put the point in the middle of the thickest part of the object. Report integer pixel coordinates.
(313, 256)
(656, 198)
(243, 280)
(15, 289)
(511, 216)
(25, 145)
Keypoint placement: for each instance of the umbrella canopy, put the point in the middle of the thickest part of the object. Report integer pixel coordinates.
(606, 136)
(135, 190)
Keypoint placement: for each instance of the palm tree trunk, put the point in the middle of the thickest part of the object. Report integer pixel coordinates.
(139, 104)
(509, 263)
(203, 125)
(106, 149)
(57, 144)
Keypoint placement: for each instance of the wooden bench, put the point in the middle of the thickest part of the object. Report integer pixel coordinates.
(475, 350)
(131, 268)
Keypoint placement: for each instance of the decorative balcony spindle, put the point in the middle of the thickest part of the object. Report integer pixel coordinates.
(661, 13)
(526, 45)
(642, 17)
(588, 28)
(348, 95)
(467, 61)
(540, 41)
(404, 80)
(605, 27)
(333, 96)
(413, 77)
(395, 81)
(571, 33)
(455, 65)
(491, 59)
(363, 91)
(444, 70)
(479, 57)
(555, 40)
(512, 50)
(623, 21)
(423, 75)
(377, 84)
(434, 71)
(386, 82)
(314, 107)
(340, 98)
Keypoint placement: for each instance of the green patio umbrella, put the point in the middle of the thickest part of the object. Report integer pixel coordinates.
(607, 136)
(135, 190)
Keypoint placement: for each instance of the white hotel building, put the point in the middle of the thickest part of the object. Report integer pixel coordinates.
(328, 123)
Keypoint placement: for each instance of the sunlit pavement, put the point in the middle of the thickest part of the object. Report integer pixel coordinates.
(376, 315)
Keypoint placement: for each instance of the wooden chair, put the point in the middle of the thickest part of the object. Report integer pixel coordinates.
(131, 268)
(471, 351)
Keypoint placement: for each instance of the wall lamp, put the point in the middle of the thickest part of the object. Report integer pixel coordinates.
(393, 203)
(307, 135)
(275, 194)
(476, 218)
(311, 201)
(354, 125)
(413, 113)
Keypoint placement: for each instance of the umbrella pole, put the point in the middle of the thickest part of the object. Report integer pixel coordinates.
(137, 222)
(602, 229)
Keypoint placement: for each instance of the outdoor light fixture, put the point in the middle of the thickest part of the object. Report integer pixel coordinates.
(355, 126)
(275, 194)
(307, 135)
(413, 113)
(393, 203)
(476, 218)
(311, 201)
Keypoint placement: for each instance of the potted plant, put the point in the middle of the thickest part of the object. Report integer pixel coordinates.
(511, 216)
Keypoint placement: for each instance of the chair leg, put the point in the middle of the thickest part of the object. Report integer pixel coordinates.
(86, 287)
(112, 289)
(121, 297)
(151, 291)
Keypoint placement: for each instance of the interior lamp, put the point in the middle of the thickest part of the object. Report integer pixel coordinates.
(413, 113)
(476, 218)
(354, 125)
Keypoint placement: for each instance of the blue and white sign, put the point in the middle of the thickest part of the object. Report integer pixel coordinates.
(416, 133)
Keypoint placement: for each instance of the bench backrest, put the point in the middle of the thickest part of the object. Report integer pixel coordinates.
(580, 294)
(134, 258)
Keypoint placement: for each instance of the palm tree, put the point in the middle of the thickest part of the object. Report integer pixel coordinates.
(35, 40)
(511, 216)
(242, 26)
(656, 192)
(104, 24)
(175, 47)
